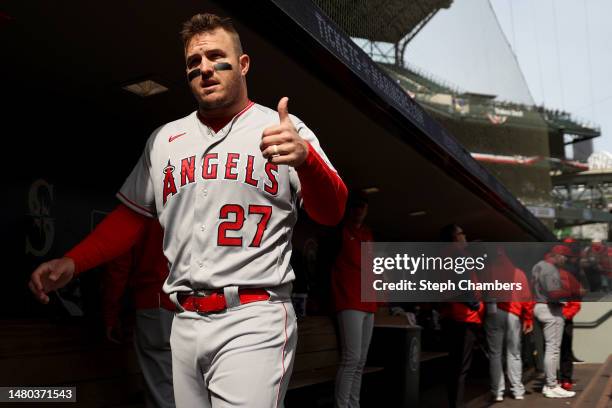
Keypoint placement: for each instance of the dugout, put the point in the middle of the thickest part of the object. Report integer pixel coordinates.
(72, 134)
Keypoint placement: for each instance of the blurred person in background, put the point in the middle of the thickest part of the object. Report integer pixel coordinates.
(355, 318)
(549, 292)
(570, 308)
(605, 265)
(140, 274)
(591, 261)
(461, 321)
(504, 324)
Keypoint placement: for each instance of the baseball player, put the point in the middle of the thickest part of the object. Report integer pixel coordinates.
(355, 318)
(225, 183)
(504, 322)
(548, 291)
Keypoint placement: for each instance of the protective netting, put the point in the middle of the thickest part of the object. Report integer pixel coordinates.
(380, 20)
(457, 62)
(466, 45)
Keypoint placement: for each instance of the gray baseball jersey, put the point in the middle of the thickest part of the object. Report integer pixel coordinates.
(227, 212)
(545, 277)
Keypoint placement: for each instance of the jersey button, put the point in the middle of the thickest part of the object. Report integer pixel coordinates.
(205, 193)
(202, 228)
(201, 264)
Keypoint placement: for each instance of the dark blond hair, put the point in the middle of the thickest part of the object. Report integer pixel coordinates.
(202, 23)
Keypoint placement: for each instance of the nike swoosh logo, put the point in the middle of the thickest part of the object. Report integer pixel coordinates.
(171, 138)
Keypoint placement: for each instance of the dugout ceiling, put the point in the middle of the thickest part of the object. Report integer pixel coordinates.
(64, 65)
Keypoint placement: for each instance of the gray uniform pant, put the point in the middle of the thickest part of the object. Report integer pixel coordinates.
(551, 317)
(355, 335)
(500, 326)
(152, 344)
(240, 357)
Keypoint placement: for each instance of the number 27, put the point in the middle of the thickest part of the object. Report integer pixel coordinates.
(223, 240)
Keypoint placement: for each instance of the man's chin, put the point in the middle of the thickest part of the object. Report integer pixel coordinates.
(209, 103)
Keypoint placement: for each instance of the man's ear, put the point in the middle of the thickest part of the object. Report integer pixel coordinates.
(245, 62)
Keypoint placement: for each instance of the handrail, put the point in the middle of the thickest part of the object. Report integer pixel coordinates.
(594, 323)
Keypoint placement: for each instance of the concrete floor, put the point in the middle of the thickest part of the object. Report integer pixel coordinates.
(534, 398)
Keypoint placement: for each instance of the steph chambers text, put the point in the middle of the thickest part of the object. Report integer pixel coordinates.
(464, 284)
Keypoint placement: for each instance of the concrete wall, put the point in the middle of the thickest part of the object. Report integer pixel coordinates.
(593, 345)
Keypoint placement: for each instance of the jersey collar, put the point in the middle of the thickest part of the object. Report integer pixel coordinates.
(217, 124)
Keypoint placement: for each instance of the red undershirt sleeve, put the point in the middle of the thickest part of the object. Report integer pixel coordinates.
(113, 237)
(323, 191)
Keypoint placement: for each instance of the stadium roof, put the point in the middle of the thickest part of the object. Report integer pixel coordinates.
(592, 177)
(381, 20)
(449, 101)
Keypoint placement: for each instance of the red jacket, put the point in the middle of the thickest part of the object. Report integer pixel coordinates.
(460, 312)
(346, 272)
(570, 283)
(605, 262)
(569, 288)
(524, 310)
(570, 309)
(141, 271)
(520, 303)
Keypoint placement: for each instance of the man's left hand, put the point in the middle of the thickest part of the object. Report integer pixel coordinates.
(281, 144)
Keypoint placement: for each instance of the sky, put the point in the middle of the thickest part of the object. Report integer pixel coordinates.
(552, 52)
(564, 48)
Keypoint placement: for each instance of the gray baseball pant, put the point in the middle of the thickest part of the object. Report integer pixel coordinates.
(355, 335)
(152, 344)
(499, 326)
(551, 317)
(241, 357)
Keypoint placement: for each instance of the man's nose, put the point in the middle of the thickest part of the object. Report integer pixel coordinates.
(207, 67)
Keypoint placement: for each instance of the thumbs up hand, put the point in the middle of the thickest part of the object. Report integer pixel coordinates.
(281, 144)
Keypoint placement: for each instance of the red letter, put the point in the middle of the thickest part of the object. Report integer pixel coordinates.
(187, 170)
(231, 164)
(212, 173)
(249, 172)
(273, 188)
(169, 186)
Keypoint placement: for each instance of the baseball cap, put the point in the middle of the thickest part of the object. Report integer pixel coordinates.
(561, 250)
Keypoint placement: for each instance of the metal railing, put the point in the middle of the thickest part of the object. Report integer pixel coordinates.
(594, 323)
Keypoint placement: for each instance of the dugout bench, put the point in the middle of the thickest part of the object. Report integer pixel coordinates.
(394, 354)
